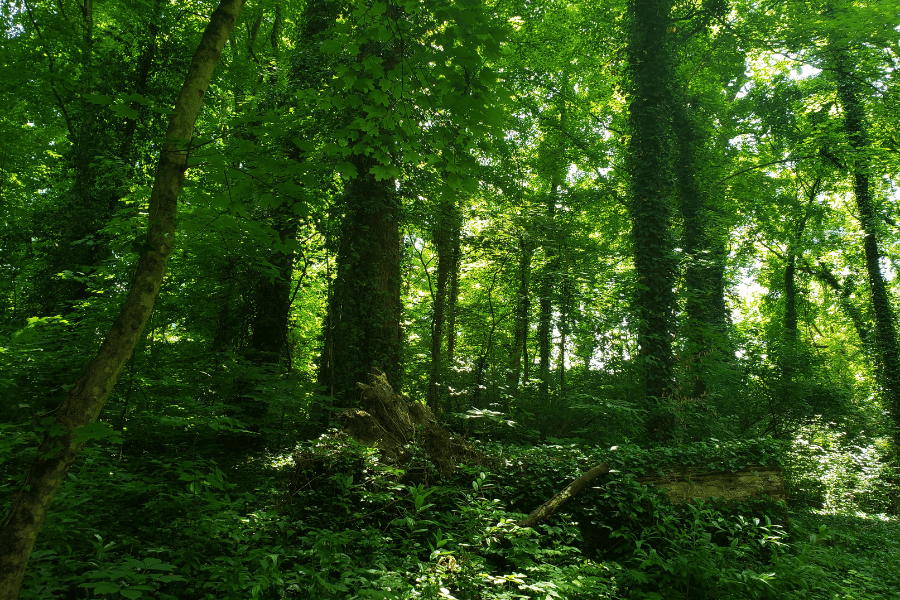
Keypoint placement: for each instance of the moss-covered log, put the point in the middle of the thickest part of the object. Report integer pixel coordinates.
(684, 485)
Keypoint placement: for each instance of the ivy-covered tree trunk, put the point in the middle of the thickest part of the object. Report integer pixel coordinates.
(650, 206)
(61, 443)
(856, 127)
(364, 315)
(554, 163)
(704, 326)
(545, 303)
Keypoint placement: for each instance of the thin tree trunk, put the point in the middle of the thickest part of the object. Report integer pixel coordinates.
(564, 301)
(452, 304)
(82, 406)
(520, 335)
(446, 221)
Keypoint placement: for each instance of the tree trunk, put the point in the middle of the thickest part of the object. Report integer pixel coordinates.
(565, 299)
(551, 253)
(649, 162)
(365, 310)
(856, 127)
(520, 335)
(452, 303)
(447, 223)
(704, 327)
(84, 402)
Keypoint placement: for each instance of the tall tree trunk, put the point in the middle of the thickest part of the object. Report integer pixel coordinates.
(545, 305)
(650, 170)
(558, 166)
(452, 303)
(565, 300)
(704, 324)
(523, 304)
(60, 445)
(446, 228)
(856, 126)
(365, 310)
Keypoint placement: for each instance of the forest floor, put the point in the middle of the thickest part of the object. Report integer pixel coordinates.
(189, 520)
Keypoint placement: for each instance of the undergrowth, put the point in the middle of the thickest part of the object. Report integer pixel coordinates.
(352, 526)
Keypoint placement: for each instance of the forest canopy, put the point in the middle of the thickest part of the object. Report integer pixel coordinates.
(642, 223)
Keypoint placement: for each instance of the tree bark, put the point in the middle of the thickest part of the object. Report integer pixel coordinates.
(855, 125)
(364, 315)
(446, 228)
(520, 335)
(650, 170)
(452, 303)
(82, 406)
(704, 326)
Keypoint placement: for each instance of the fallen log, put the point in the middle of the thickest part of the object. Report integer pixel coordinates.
(685, 484)
(681, 485)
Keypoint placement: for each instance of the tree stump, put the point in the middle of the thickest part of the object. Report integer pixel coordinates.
(390, 422)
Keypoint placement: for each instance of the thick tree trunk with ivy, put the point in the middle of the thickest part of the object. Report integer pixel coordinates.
(703, 267)
(61, 444)
(364, 315)
(650, 205)
(856, 127)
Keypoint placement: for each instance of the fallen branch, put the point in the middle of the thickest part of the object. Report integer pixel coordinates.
(547, 509)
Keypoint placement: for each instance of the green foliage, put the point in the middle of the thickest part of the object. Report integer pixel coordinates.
(357, 527)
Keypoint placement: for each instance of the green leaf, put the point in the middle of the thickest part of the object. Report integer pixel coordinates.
(303, 145)
(124, 111)
(98, 99)
(93, 431)
(102, 587)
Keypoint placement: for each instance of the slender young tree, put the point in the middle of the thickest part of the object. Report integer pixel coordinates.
(64, 437)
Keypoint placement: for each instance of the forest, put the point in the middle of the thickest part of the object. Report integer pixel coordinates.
(460, 299)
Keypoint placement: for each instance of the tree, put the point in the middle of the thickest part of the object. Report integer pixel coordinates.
(650, 204)
(69, 427)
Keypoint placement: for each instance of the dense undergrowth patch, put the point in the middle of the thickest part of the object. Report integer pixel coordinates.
(351, 526)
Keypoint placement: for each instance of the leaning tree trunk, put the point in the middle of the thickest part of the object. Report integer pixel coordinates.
(82, 406)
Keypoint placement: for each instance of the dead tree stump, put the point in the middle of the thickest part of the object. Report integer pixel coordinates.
(390, 422)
